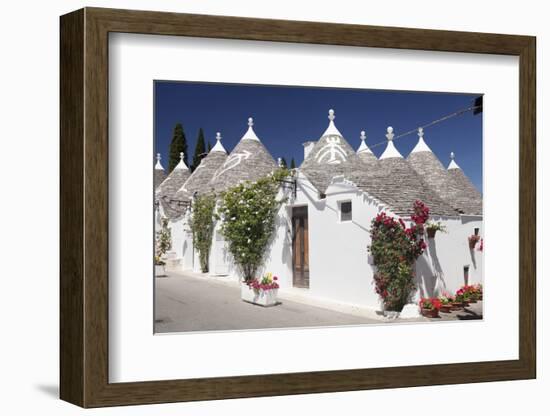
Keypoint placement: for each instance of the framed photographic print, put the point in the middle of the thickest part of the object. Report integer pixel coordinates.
(255, 207)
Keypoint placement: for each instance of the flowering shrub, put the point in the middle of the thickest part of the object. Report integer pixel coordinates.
(202, 226)
(163, 241)
(421, 212)
(248, 213)
(267, 282)
(395, 248)
(430, 303)
(480, 248)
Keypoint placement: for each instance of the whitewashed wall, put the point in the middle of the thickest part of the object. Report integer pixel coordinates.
(338, 256)
(441, 267)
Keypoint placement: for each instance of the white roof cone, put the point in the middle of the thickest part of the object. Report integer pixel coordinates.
(453, 164)
(218, 147)
(363, 148)
(391, 150)
(421, 146)
(250, 135)
(158, 165)
(181, 164)
(331, 129)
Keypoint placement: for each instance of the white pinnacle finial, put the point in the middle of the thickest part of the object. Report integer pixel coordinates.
(250, 134)
(280, 162)
(218, 147)
(391, 150)
(453, 164)
(421, 146)
(363, 148)
(331, 129)
(181, 164)
(158, 165)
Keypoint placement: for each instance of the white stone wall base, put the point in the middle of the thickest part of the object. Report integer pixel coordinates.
(410, 310)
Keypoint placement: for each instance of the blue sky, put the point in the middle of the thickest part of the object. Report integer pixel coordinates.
(285, 117)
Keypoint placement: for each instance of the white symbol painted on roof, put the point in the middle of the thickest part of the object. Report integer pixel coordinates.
(234, 160)
(333, 150)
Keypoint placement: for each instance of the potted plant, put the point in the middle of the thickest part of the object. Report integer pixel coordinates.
(159, 267)
(433, 227)
(479, 289)
(473, 240)
(446, 303)
(462, 297)
(430, 307)
(456, 303)
(262, 291)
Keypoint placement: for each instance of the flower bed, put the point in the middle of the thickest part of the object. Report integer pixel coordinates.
(430, 307)
(261, 292)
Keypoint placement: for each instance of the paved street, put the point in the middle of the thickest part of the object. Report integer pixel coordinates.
(191, 302)
(188, 303)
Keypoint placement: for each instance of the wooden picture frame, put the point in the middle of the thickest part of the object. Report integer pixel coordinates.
(84, 207)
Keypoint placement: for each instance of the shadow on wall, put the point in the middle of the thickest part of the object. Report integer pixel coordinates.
(473, 257)
(425, 279)
(436, 266)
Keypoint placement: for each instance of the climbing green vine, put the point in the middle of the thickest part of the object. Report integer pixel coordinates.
(248, 213)
(202, 226)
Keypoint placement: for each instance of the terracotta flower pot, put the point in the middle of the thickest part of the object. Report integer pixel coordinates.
(431, 232)
(472, 244)
(446, 308)
(456, 305)
(430, 313)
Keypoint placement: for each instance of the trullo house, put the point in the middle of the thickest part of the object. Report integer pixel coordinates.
(319, 248)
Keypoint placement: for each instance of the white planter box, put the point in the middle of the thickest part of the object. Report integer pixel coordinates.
(159, 270)
(259, 297)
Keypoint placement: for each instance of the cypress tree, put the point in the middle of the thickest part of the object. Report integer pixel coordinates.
(200, 150)
(292, 164)
(283, 162)
(178, 145)
(209, 146)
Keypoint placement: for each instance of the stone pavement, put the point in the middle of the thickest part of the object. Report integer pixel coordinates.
(192, 302)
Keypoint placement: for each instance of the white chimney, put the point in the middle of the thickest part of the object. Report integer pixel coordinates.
(308, 146)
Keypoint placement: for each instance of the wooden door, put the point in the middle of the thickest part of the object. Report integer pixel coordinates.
(300, 247)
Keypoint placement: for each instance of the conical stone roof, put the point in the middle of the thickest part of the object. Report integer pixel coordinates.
(331, 156)
(396, 184)
(430, 169)
(249, 161)
(159, 173)
(198, 182)
(470, 197)
(365, 154)
(166, 192)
